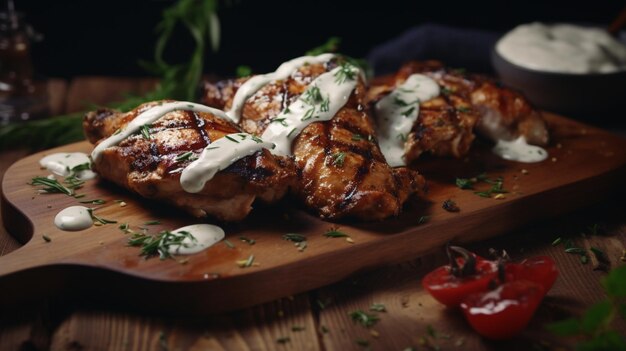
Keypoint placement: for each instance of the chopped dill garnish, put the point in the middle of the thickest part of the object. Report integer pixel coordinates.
(338, 158)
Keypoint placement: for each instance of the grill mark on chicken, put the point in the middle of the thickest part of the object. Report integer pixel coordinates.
(147, 166)
(364, 186)
(199, 127)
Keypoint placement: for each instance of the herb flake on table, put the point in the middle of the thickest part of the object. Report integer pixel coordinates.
(99, 219)
(46, 238)
(378, 307)
(333, 233)
(365, 319)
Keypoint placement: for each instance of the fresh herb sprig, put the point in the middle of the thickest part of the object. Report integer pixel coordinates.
(52, 186)
(595, 326)
(365, 319)
(160, 244)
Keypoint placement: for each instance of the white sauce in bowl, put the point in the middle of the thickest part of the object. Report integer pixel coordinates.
(62, 164)
(202, 236)
(563, 48)
(520, 151)
(74, 218)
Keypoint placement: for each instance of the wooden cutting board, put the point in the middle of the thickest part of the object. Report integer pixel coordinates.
(585, 165)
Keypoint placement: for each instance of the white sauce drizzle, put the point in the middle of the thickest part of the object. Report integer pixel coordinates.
(148, 117)
(217, 156)
(397, 112)
(320, 102)
(62, 163)
(563, 48)
(255, 83)
(74, 218)
(203, 237)
(519, 150)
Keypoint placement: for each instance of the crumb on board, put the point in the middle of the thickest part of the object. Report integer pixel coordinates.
(524, 171)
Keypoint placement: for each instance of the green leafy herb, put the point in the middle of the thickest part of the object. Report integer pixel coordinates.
(576, 250)
(365, 319)
(496, 185)
(247, 240)
(356, 137)
(338, 158)
(229, 244)
(93, 202)
(595, 325)
(79, 168)
(145, 131)
(325, 105)
(297, 328)
(46, 238)
(408, 112)
(465, 183)
(378, 307)
(556, 241)
(231, 139)
(161, 243)
(124, 227)
(347, 71)
(52, 186)
(312, 95)
(331, 45)
(153, 222)
(279, 120)
(333, 233)
(308, 114)
(243, 71)
(294, 237)
(100, 219)
(186, 156)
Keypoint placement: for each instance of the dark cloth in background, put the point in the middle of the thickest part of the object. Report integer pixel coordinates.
(456, 47)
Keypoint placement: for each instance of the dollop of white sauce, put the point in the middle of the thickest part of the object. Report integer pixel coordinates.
(320, 102)
(563, 48)
(202, 237)
(397, 112)
(73, 218)
(255, 83)
(519, 150)
(150, 116)
(218, 156)
(62, 164)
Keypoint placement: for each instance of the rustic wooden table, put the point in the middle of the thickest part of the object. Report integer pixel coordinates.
(319, 319)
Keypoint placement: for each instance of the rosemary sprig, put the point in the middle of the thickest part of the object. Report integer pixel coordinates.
(152, 245)
(100, 219)
(52, 186)
(339, 158)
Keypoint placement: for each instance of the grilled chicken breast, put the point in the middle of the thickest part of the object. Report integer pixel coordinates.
(341, 170)
(504, 114)
(151, 167)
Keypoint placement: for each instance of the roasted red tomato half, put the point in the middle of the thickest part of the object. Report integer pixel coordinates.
(465, 275)
(540, 269)
(505, 311)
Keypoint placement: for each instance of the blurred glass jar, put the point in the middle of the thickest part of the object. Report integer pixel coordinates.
(21, 98)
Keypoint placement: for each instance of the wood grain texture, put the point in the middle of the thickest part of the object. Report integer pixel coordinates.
(97, 261)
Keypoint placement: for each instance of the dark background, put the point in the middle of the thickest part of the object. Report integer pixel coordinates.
(109, 37)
